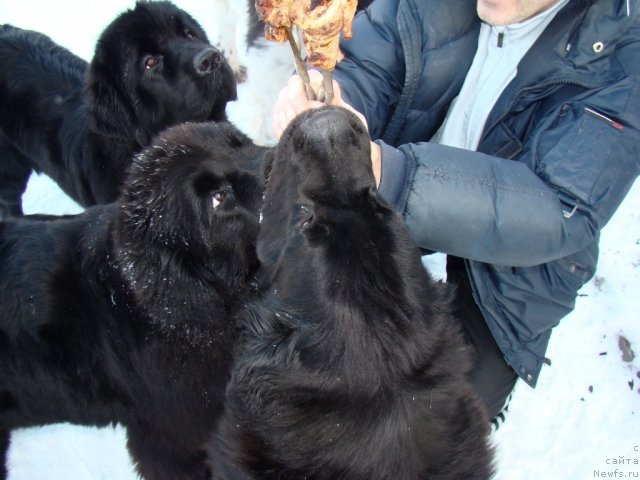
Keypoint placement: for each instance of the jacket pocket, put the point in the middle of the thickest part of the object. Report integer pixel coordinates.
(589, 157)
(578, 268)
(581, 154)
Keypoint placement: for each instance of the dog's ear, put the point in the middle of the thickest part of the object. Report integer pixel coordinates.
(142, 137)
(110, 111)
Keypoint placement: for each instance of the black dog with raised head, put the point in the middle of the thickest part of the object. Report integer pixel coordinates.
(349, 364)
(80, 123)
(124, 313)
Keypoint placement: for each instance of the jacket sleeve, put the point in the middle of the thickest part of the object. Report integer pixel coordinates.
(372, 73)
(549, 203)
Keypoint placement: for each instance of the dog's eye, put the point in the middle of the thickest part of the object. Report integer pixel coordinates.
(150, 62)
(307, 217)
(217, 198)
(189, 34)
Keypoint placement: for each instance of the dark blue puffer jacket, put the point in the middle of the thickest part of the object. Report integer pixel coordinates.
(560, 150)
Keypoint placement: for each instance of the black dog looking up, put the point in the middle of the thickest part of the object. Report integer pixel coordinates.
(349, 364)
(124, 313)
(80, 123)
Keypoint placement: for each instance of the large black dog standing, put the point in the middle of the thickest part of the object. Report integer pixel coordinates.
(350, 365)
(80, 123)
(123, 313)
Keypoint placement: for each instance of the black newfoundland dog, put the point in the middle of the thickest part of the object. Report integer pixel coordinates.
(80, 123)
(124, 313)
(349, 365)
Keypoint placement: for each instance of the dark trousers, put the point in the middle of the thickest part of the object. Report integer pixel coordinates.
(492, 377)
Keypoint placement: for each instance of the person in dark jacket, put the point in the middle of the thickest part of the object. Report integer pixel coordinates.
(507, 132)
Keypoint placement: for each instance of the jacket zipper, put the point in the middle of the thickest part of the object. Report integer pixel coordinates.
(610, 121)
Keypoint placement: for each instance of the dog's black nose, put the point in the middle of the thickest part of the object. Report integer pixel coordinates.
(326, 122)
(206, 60)
(330, 128)
(332, 146)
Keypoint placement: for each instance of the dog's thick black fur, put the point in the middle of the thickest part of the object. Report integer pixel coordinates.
(80, 123)
(124, 313)
(349, 365)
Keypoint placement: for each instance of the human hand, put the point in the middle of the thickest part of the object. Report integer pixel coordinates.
(293, 100)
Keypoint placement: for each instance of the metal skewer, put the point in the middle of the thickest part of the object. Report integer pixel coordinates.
(326, 93)
(301, 68)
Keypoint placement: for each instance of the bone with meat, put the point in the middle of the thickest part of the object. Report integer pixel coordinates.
(321, 23)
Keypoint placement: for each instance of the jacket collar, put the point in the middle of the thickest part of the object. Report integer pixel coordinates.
(576, 48)
(597, 32)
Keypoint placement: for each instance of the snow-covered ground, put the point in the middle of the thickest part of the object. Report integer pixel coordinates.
(581, 422)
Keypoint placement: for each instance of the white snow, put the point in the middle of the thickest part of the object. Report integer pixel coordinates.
(581, 422)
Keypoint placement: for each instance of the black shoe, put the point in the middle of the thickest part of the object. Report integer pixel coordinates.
(501, 417)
